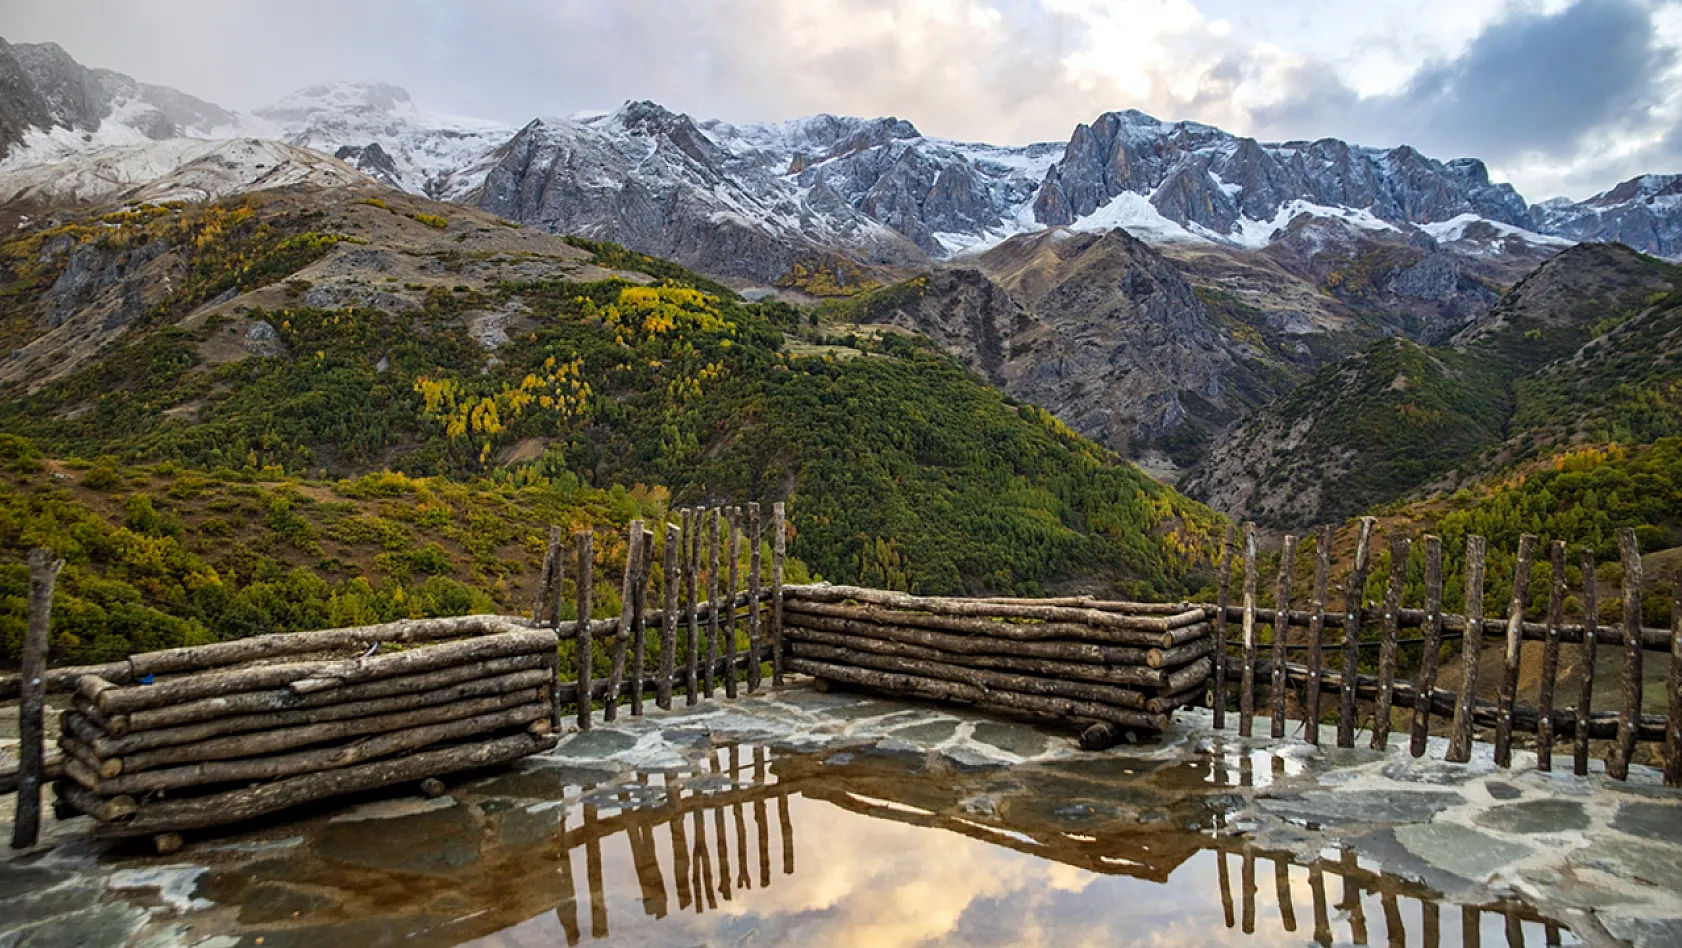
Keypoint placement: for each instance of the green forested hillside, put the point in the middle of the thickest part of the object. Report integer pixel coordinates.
(515, 380)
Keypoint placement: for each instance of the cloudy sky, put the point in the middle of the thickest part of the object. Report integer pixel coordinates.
(1559, 96)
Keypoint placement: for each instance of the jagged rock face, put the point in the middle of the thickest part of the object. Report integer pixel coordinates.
(43, 88)
(1644, 213)
(654, 181)
(1198, 175)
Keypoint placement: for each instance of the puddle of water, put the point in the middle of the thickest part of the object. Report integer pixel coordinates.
(859, 847)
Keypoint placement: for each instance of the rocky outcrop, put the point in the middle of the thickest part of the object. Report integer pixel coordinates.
(1644, 213)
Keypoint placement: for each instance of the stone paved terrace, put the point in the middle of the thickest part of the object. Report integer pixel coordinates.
(1602, 859)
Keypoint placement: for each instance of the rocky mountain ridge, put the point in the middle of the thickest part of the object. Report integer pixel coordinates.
(875, 190)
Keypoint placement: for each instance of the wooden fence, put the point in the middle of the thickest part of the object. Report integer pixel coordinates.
(1238, 628)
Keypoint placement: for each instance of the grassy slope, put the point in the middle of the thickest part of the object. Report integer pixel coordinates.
(901, 469)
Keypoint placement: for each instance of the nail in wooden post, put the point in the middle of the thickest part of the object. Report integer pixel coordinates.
(1353, 599)
(32, 678)
(1399, 550)
(1507, 694)
(586, 647)
(734, 550)
(1629, 717)
(779, 550)
(668, 621)
(639, 622)
(715, 534)
(1460, 735)
(622, 631)
(1432, 631)
(1550, 658)
(1218, 700)
(1316, 630)
(1281, 632)
(1673, 723)
(754, 531)
(1247, 676)
(1591, 639)
(691, 617)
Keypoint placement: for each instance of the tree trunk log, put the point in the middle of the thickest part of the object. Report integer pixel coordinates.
(586, 645)
(622, 627)
(971, 607)
(1629, 717)
(1354, 600)
(493, 684)
(953, 691)
(32, 714)
(672, 580)
(779, 551)
(1000, 628)
(1399, 549)
(754, 644)
(980, 645)
(237, 805)
(1507, 692)
(284, 699)
(980, 678)
(103, 809)
(382, 744)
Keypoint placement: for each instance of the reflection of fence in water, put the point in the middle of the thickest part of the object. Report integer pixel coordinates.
(704, 870)
(1392, 894)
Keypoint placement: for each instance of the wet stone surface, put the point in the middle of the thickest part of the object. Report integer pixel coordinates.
(726, 823)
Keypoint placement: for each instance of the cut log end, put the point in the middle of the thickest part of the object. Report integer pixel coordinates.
(167, 843)
(1104, 735)
(433, 788)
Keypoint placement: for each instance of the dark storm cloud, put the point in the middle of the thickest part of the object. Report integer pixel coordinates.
(1530, 84)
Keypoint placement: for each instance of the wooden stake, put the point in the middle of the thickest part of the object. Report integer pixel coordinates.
(622, 632)
(586, 541)
(1316, 631)
(1281, 631)
(734, 550)
(1247, 674)
(1218, 700)
(1508, 692)
(32, 728)
(1354, 598)
(779, 550)
(754, 605)
(1460, 737)
(1399, 549)
(1550, 658)
(639, 621)
(1432, 646)
(1673, 724)
(1585, 699)
(668, 621)
(1629, 717)
(540, 606)
(691, 612)
(715, 535)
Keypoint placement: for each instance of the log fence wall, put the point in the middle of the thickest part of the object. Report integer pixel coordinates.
(173, 740)
(1565, 711)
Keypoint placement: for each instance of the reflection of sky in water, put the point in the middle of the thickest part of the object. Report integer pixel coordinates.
(861, 881)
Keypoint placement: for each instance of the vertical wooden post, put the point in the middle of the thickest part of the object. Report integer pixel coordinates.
(593, 865)
(1281, 632)
(622, 631)
(1431, 921)
(1399, 550)
(715, 534)
(1550, 658)
(668, 620)
(1317, 891)
(680, 850)
(1460, 737)
(1218, 699)
(734, 550)
(1395, 931)
(754, 535)
(1352, 899)
(1507, 695)
(32, 685)
(1316, 629)
(639, 621)
(1226, 887)
(1353, 604)
(1247, 887)
(1673, 723)
(540, 606)
(586, 647)
(1591, 640)
(1282, 894)
(691, 617)
(1247, 675)
(1432, 632)
(1629, 717)
(779, 551)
